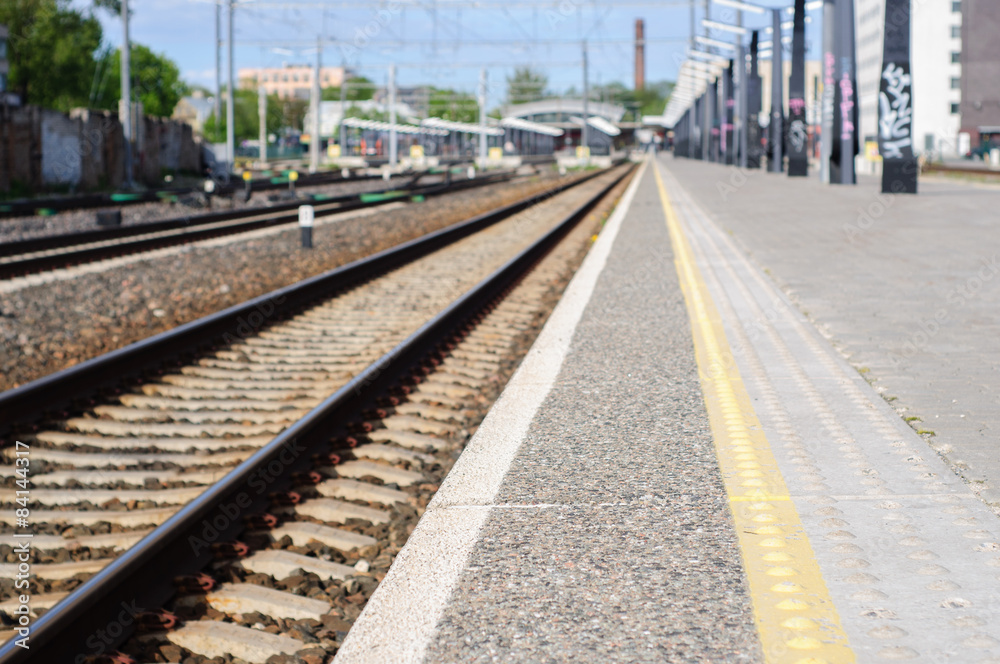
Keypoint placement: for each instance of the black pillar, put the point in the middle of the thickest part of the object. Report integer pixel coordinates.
(845, 102)
(895, 103)
(798, 132)
(728, 153)
(754, 101)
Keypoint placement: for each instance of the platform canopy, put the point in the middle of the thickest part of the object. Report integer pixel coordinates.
(463, 127)
(525, 125)
(599, 124)
(385, 126)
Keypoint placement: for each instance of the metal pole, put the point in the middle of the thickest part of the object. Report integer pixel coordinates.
(753, 105)
(691, 42)
(125, 104)
(314, 106)
(482, 116)
(343, 113)
(777, 129)
(741, 96)
(217, 108)
(262, 117)
(585, 134)
(846, 99)
(231, 103)
(829, 85)
(393, 156)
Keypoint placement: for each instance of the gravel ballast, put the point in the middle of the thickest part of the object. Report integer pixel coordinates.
(74, 221)
(51, 326)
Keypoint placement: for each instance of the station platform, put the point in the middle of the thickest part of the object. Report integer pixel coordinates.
(684, 468)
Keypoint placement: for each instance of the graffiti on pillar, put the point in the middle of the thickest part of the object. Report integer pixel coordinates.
(846, 108)
(895, 112)
(797, 124)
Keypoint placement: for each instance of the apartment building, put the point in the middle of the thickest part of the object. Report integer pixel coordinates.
(289, 81)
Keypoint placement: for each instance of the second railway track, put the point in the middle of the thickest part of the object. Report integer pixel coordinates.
(343, 482)
(30, 256)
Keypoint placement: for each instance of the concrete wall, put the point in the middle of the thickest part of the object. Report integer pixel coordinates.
(41, 148)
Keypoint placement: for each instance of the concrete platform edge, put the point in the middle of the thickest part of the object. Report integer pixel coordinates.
(400, 620)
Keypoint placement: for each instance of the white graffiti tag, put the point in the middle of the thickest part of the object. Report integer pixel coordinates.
(797, 135)
(895, 112)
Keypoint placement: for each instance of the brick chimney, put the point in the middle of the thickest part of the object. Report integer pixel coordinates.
(640, 54)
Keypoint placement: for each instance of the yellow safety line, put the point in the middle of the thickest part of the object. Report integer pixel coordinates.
(796, 618)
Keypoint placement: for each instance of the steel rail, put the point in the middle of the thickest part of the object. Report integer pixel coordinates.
(142, 576)
(185, 230)
(960, 170)
(70, 389)
(30, 206)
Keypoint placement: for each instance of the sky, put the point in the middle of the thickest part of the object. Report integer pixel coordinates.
(438, 42)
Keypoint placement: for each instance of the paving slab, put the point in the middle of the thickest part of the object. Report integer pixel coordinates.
(907, 288)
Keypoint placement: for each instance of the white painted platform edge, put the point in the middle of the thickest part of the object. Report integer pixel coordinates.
(401, 618)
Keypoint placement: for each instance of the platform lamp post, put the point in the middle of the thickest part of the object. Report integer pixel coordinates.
(231, 97)
(125, 105)
(829, 66)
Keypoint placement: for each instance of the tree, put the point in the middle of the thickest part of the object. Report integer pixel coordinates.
(247, 117)
(526, 85)
(156, 81)
(359, 88)
(51, 52)
(651, 100)
(361, 114)
(450, 105)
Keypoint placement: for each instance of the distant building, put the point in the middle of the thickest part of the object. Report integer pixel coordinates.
(332, 112)
(417, 98)
(289, 81)
(194, 110)
(567, 114)
(814, 89)
(980, 105)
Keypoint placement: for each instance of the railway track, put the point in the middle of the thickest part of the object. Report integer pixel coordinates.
(31, 256)
(276, 506)
(956, 170)
(279, 180)
(53, 205)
